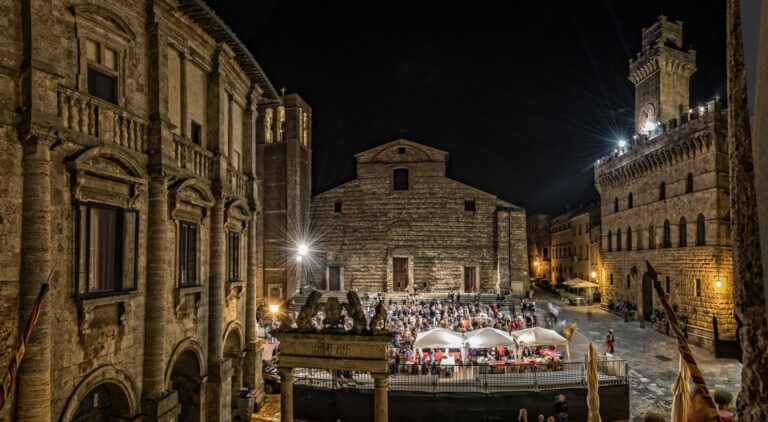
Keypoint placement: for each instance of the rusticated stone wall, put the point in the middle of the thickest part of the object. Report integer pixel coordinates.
(361, 225)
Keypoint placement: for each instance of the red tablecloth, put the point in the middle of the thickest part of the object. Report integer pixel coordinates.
(725, 415)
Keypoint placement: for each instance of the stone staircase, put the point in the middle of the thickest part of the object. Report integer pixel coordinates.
(399, 298)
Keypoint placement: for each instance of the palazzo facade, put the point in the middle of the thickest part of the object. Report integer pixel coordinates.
(150, 165)
(665, 194)
(402, 224)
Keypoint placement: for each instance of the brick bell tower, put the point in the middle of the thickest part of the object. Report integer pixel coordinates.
(661, 73)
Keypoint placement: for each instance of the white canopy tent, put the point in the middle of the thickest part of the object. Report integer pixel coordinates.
(488, 337)
(439, 338)
(538, 336)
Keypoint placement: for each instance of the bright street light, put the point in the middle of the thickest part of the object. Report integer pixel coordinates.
(274, 308)
(594, 274)
(622, 143)
(303, 249)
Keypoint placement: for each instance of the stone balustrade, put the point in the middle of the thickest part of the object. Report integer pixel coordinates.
(192, 157)
(237, 181)
(90, 115)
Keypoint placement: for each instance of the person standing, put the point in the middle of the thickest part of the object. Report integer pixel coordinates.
(609, 339)
(561, 408)
(523, 416)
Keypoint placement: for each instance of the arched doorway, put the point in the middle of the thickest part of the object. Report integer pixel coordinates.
(186, 380)
(233, 350)
(104, 403)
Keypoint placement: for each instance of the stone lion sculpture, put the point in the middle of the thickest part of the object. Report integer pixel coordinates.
(355, 311)
(308, 311)
(378, 318)
(332, 311)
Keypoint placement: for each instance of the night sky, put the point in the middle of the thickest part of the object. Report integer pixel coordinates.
(524, 99)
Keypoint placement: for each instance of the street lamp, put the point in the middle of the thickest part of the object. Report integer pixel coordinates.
(302, 251)
(622, 143)
(594, 274)
(274, 309)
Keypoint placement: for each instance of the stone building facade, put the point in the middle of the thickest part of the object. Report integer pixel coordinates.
(402, 224)
(664, 195)
(537, 235)
(573, 253)
(134, 167)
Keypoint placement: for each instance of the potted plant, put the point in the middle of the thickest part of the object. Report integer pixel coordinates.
(723, 399)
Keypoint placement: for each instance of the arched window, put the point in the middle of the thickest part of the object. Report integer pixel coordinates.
(682, 238)
(662, 191)
(610, 241)
(667, 237)
(689, 183)
(651, 237)
(639, 234)
(700, 231)
(629, 200)
(615, 204)
(629, 238)
(618, 240)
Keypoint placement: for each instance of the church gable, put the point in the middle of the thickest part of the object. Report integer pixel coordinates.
(401, 151)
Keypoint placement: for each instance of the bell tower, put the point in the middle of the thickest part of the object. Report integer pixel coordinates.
(661, 73)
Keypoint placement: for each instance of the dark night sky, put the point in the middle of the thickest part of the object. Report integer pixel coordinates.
(523, 99)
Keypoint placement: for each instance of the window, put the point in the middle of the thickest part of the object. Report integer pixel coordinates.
(700, 231)
(628, 281)
(667, 237)
(196, 132)
(698, 287)
(469, 205)
(683, 233)
(105, 241)
(629, 238)
(401, 150)
(667, 284)
(102, 71)
(662, 191)
(615, 204)
(337, 207)
(629, 200)
(610, 241)
(233, 256)
(639, 234)
(618, 240)
(400, 179)
(187, 254)
(651, 237)
(689, 183)
(545, 253)
(611, 279)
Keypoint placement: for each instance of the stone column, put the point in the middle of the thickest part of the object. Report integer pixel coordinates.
(286, 394)
(254, 345)
(33, 394)
(218, 400)
(380, 406)
(158, 266)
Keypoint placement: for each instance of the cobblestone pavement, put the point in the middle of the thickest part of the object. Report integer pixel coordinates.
(652, 357)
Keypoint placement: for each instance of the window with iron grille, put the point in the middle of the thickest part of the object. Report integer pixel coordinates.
(187, 254)
(233, 254)
(105, 249)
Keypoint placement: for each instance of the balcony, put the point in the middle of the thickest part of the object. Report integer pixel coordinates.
(237, 181)
(92, 116)
(192, 157)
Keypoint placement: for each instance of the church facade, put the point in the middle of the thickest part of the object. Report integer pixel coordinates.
(403, 225)
(664, 194)
(148, 165)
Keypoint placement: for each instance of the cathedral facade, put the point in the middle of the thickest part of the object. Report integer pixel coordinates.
(664, 194)
(148, 166)
(402, 225)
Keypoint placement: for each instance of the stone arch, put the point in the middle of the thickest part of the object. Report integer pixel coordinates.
(233, 345)
(192, 191)
(422, 153)
(188, 344)
(116, 382)
(184, 374)
(113, 153)
(238, 209)
(234, 328)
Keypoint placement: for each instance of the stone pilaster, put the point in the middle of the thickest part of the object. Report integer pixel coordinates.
(218, 394)
(219, 370)
(286, 394)
(33, 394)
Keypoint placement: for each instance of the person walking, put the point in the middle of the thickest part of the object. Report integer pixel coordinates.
(609, 339)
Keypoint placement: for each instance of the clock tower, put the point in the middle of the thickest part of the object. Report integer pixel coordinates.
(661, 73)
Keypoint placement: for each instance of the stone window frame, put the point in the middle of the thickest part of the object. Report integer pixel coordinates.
(470, 205)
(682, 233)
(237, 216)
(406, 172)
(666, 235)
(89, 24)
(185, 220)
(337, 207)
(701, 230)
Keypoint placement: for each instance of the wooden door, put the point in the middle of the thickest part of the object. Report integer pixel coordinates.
(334, 278)
(470, 277)
(400, 274)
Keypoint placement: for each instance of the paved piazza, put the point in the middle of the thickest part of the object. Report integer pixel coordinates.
(652, 357)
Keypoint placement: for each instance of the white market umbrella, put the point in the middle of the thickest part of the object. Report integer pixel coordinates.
(438, 338)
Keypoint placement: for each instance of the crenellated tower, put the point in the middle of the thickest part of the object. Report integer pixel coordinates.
(661, 73)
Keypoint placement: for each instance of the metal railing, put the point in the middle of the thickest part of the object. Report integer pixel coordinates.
(475, 378)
